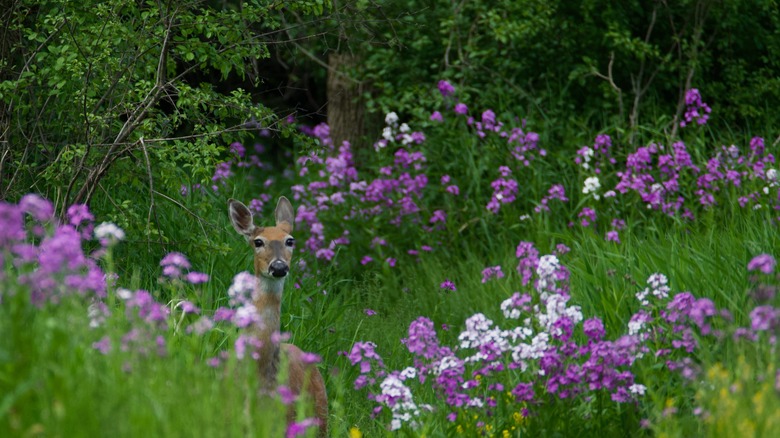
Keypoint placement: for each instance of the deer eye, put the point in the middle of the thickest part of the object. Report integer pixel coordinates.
(259, 243)
(290, 242)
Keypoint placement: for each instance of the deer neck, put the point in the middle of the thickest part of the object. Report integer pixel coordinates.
(269, 306)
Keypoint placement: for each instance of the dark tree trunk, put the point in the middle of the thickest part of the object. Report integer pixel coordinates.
(346, 105)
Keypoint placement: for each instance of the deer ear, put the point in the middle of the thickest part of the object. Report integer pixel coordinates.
(241, 218)
(285, 215)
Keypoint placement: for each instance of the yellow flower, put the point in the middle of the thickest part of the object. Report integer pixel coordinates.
(460, 430)
(354, 432)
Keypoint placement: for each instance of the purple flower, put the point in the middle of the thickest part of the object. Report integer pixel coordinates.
(369, 312)
(696, 109)
(12, 221)
(238, 149)
(492, 272)
(286, 394)
(523, 392)
(37, 207)
(103, 345)
(763, 318)
(299, 428)
(363, 353)
(461, 109)
(594, 329)
(438, 216)
(188, 307)
(196, 277)
(437, 117)
(448, 285)
(78, 215)
(223, 314)
(310, 358)
(422, 339)
(762, 262)
(445, 88)
(175, 259)
(612, 236)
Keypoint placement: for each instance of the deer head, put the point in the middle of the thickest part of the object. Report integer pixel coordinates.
(273, 246)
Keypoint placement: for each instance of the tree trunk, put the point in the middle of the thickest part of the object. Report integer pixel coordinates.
(346, 106)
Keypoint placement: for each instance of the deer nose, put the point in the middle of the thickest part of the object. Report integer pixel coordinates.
(278, 268)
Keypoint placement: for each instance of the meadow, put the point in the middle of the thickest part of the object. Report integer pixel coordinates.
(468, 275)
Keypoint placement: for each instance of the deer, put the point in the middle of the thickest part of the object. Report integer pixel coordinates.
(273, 250)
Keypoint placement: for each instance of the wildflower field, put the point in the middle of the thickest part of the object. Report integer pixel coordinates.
(500, 256)
(467, 280)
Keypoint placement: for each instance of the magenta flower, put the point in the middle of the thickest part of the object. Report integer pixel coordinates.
(196, 277)
(103, 345)
(286, 394)
(437, 117)
(762, 262)
(492, 272)
(188, 307)
(78, 216)
(445, 88)
(175, 259)
(696, 109)
(238, 149)
(37, 207)
(448, 285)
(438, 216)
(369, 312)
(764, 318)
(299, 428)
(461, 109)
(612, 236)
(310, 358)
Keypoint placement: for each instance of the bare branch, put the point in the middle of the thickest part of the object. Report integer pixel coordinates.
(610, 79)
(151, 188)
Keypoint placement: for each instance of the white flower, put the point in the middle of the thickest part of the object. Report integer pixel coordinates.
(657, 280)
(771, 174)
(109, 232)
(638, 389)
(243, 289)
(124, 294)
(404, 128)
(592, 185)
(408, 373)
(509, 310)
(587, 154)
(635, 327)
(391, 119)
(387, 133)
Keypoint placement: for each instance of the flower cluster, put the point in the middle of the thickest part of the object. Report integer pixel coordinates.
(56, 265)
(504, 190)
(556, 350)
(695, 109)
